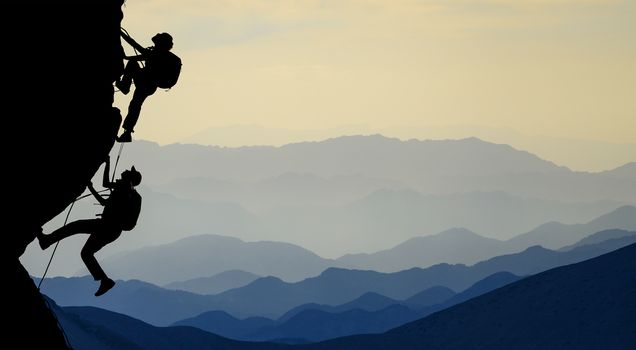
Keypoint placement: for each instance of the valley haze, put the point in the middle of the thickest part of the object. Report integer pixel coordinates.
(353, 189)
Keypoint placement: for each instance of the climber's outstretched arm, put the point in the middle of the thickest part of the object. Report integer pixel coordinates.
(132, 42)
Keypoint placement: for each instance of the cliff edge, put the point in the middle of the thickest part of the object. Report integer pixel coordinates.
(63, 65)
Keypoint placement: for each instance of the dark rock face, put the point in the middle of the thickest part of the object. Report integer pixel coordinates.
(62, 88)
(65, 56)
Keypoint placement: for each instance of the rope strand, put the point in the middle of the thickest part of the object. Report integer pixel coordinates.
(56, 244)
(121, 148)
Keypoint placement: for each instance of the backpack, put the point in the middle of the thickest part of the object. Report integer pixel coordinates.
(167, 68)
(128, 216)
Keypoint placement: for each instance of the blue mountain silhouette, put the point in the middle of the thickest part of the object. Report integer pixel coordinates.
(367, 302)
(97, 329)
(371, 313)
(430, 296)
(215, 284)
(588, 305)
(374, 312)
(463, 246)
(315, 325)
(371, 301)
(270, 297)
(222, 323)
(311, 325)
(599, 237)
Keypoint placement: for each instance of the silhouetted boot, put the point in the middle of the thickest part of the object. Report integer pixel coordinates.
(43, 239)
(105, 286)
(126, 136)
(122, 86)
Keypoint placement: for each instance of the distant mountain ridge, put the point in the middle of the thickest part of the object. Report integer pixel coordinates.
(316, 325)
(204, 255)
(97, 329)
(357, 187)
(463, 246)
(622, 218)
(215, 284)
(347, 154)
(364, 224)
(452, 246)
(270, 297)
(598, 237)
(371, 301)
(430, 166)
(309, 325)
(588, 305)
(535, 312)
(625, 171)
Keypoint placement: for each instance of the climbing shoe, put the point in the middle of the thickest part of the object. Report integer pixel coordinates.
(122, 87)
(105, 286)
(126, 136)
(43, 240)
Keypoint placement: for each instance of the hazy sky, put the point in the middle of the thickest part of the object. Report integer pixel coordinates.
(555, 77)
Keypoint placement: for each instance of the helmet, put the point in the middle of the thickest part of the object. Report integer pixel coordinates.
(163, 40)
(135, 176)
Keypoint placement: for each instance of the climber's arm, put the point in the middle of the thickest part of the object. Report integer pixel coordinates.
(132, 42)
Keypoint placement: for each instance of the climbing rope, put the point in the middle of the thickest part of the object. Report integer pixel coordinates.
(57, 321)
(121, 148)
(56, 244)
(134, 48)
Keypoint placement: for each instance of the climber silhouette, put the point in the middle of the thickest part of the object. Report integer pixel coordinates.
(121, 211)
(162, 69)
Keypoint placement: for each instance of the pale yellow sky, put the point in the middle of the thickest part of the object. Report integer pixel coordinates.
(521, 72)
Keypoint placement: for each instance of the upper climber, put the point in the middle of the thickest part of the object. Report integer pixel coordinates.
(162, 69)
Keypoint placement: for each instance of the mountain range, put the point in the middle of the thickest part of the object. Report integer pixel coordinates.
(370, 313)
(588, 305)
(429, 166)
(534, 312)
(361, 186)
(463, 246)
(206, 255)
(90, 328)
(374, 155)
(599, 237)
(363, 221)
(371, 301)
(271, 297)
(215, 284)
(310, 194)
